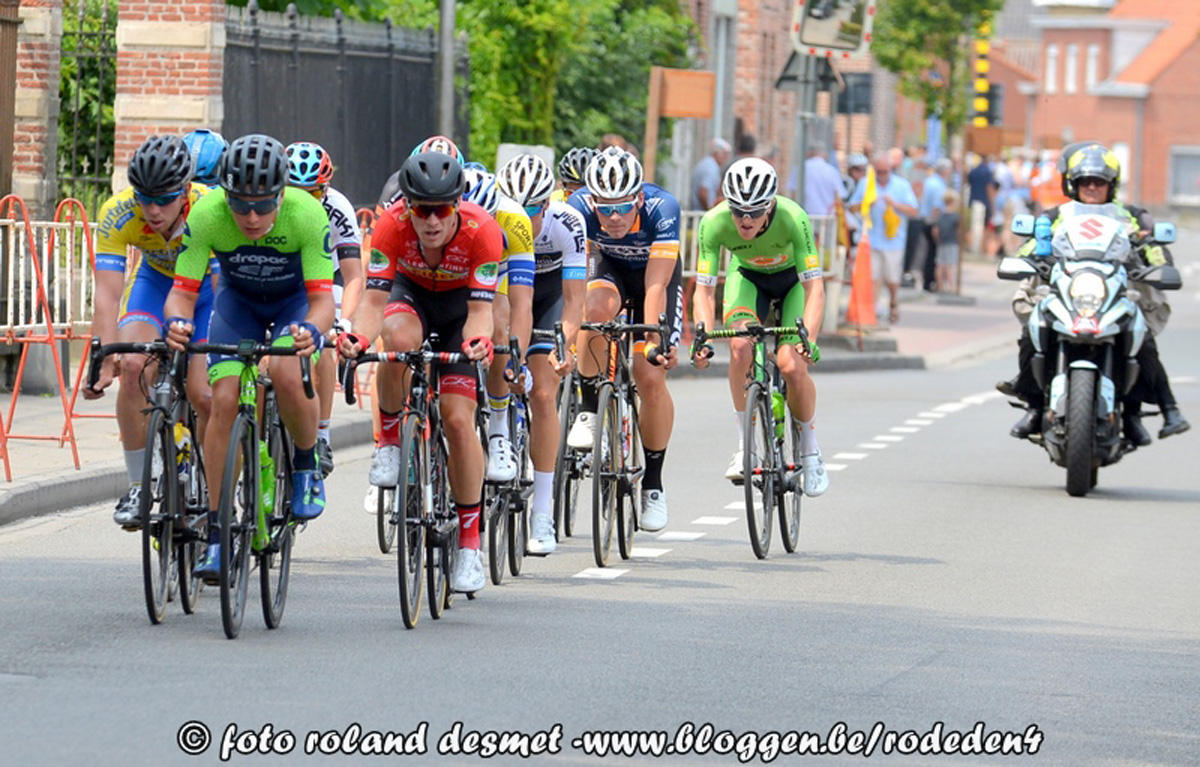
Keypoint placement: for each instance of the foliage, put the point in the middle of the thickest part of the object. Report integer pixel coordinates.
(87, 89)
(927, 43)
(353, 8)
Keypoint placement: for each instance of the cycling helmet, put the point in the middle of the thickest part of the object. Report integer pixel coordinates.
(481, 190)
(573, 165)
(206, 147)
(1093, 161)
(254, 165)
(439, 144)
(431, 176)
(750, 183)
(391, 191)
(613, 173)
(526, 178)
(161, 165)
(309, 164)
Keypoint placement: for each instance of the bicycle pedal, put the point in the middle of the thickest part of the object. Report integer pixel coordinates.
(132, 528)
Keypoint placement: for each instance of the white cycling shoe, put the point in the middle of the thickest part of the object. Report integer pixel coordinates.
(501, 459)
(654, 511)
(816, 479)
(468, 571)
(583, 432)
(541, 535)
(733, 472)
(385, 466)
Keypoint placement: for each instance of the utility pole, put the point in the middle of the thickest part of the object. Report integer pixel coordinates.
(445, 79)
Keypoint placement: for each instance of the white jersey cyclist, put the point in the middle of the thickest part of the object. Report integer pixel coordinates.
(344, 232)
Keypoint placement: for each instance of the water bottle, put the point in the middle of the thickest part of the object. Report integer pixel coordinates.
(519, 413)
(626, 437)
(779, 408)
(1042, 237)
(183, 456)
(266, 479)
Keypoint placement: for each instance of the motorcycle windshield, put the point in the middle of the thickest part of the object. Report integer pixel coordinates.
(1096, 232)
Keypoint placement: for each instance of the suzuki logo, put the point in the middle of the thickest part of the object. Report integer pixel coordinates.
(1092, 228)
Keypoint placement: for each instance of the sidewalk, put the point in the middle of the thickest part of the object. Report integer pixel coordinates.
(932, 332)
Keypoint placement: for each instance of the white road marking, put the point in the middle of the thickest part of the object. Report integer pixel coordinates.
(904, 429)
(918, 422)
(835, 466)
(931, 414)
(600, 573)
(716, 520)
(979, 399)
(680, 535)
(851, 456)
(736, 506)
(887, 438)
(1183, 379)
(646, 552)
(873, 445)
(951, 407)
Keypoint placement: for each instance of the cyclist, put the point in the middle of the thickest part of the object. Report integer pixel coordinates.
(207, 148)
(150, 217)
(633, 239)
(512, 311)
(774, 258)
(310, 168)
(558, 288)
(276, 272)
(434, 267)
(571, 168)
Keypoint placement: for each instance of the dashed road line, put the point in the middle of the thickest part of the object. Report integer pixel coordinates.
(715, 520)
(873, 445)
(930, 414)
(918, 422)
(645, 552)
(851, 456)
(600, 573)
(835, 467)
(905, 429)
(951, 407)
(887, 438)
(680, 535)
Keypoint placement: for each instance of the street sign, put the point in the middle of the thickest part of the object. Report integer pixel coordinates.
(833, 29)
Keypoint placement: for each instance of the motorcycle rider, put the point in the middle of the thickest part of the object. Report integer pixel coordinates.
(1092, 173)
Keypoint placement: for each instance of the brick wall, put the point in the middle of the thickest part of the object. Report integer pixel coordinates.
(763, 47)
(35, 133)
(1171, 116)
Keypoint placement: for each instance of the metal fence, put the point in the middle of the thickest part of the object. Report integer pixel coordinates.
(87, 90)
(366, 92)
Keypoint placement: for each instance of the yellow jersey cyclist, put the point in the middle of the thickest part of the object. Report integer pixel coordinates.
(633, 240)
(772, 257)
(512, 310)
(310, 168)
(276, 272)
(148, 216)
(561, 267)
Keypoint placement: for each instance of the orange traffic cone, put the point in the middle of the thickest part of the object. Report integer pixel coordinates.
(861, 311)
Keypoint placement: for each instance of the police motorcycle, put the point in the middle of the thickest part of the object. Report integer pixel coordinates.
(1086, 329)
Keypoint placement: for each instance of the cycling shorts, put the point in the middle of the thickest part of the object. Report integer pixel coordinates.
(236, 317)
(547, 308)
(631, 286)
(444, 313)
(749, 295)
(146, 294)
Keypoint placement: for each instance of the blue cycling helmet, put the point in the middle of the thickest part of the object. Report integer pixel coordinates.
(206, 147)
(481, 190)
(309, 165)
(439, 144)
(474, 165)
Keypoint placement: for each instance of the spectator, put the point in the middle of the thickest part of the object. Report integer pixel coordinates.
(981, 184)
(706, 176)
(933, 197)
(915, 176)
(894, 204)
(856, 171)
(945, 236)
(822, 182)
(746, 144)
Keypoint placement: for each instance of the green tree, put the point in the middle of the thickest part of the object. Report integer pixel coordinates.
(927, 44)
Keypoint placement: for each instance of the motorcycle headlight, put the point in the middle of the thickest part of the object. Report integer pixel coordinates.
(1087, 292)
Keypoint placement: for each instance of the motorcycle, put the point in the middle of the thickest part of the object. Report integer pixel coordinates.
(1086, 329)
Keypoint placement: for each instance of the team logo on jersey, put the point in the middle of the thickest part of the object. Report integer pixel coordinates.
(378, 263)
(769, 261)
(666, 224)
(487, 274)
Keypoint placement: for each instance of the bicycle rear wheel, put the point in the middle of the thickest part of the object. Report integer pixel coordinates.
(275, 561)
(790, 500)
(239, 501)
(568, 475)
(495, 507)
(518, 522)
(758, 468)
(192, 536)
(606, 467)
(439, 558)
(631, 474)
(405, 515)
(159, 507)
(385, 522)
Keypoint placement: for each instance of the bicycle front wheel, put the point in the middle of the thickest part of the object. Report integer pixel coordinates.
(404, 518)
(631, 479)
(759, 468)
(792, 495)
(439, 557)
(159, 506)
(495, 507)
(606, 468)
(385, 522)
(275, 561)
(518, 522)
(568, 466)
(239, 501)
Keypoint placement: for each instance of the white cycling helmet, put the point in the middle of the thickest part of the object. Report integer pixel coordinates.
(613, 173)
(750, 183)
(526, 178)
(481, 190)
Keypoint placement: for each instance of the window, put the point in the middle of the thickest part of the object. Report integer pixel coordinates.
(1183, 175)
(1092, 74)
(1070, 67)
(1051, 69)
(856, 99)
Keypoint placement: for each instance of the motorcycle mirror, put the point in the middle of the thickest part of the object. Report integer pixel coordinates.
(1013, 268)
(1022, 225)
(1164, 233)
(1164, 277)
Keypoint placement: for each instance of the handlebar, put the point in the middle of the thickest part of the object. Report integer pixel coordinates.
(613, 330)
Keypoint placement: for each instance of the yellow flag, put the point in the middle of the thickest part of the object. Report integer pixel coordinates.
(868, 198)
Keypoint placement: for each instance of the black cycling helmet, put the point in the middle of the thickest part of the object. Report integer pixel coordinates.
(1093, 161)
(253, 166)
(161, 165)
(432, 176)
(574, 163)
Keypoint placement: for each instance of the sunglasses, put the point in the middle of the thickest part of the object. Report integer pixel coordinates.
(616, 209)
(1091, 181)
(439, 210)
(157, 199)
(318, 192)
(242, 207)
(533, 210)
(748, 212)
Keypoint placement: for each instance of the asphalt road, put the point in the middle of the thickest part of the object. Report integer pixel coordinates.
(945, 578)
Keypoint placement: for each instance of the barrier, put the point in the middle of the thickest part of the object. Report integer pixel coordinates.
(28, 317)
